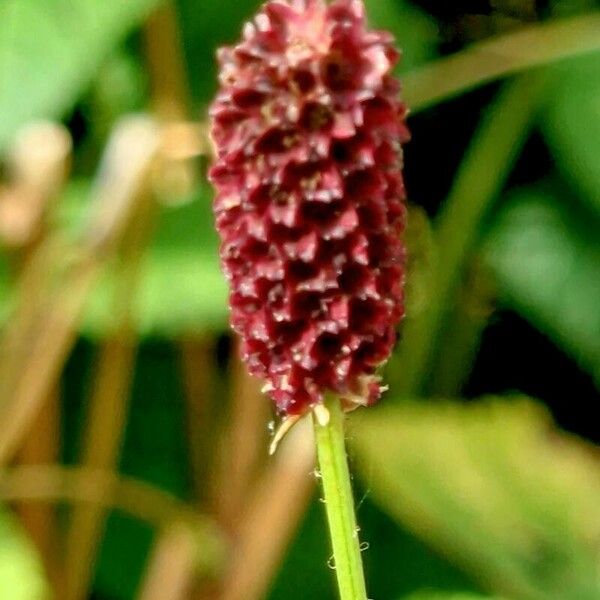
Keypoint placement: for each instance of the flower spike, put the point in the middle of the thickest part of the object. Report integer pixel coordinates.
(308, 128)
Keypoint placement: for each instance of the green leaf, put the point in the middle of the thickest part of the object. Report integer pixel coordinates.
(21, 572)
(49, 52)
(492, 485)
(546, 259)
(571, 125)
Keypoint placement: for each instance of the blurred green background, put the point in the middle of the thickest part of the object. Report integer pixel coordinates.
(478, 476)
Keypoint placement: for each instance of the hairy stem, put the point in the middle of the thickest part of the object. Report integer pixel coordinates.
(339, 503)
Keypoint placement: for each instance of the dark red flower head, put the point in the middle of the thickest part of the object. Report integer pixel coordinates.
(308, 128)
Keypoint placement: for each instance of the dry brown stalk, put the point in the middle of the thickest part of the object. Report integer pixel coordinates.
(30, 369)
(166, 64)
(38, 165)
(42, 447)
(136, 498)
(198, 372)
(38, 162)
(271, 517)
(171, 102)
(102, 436)
(172, 568)
(244, 445)
(109, 405)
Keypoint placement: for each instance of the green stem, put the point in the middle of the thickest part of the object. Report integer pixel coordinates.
(339, 503)
(462, 335)
(500, 56)
(482, 174)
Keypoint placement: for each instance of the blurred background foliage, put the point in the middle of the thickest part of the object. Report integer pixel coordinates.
(477, 477)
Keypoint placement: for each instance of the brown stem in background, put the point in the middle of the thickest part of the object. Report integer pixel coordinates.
(271, 517)
(136, 498)
(183, 142)
(166, 64)
(244, 444)
(45, 337)
(109, 406)
(198, 373)
(42, 447)
(170, 573)
(103, 436)
(172, 568)
(38, 164)
(80, 485)
(170, 98)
